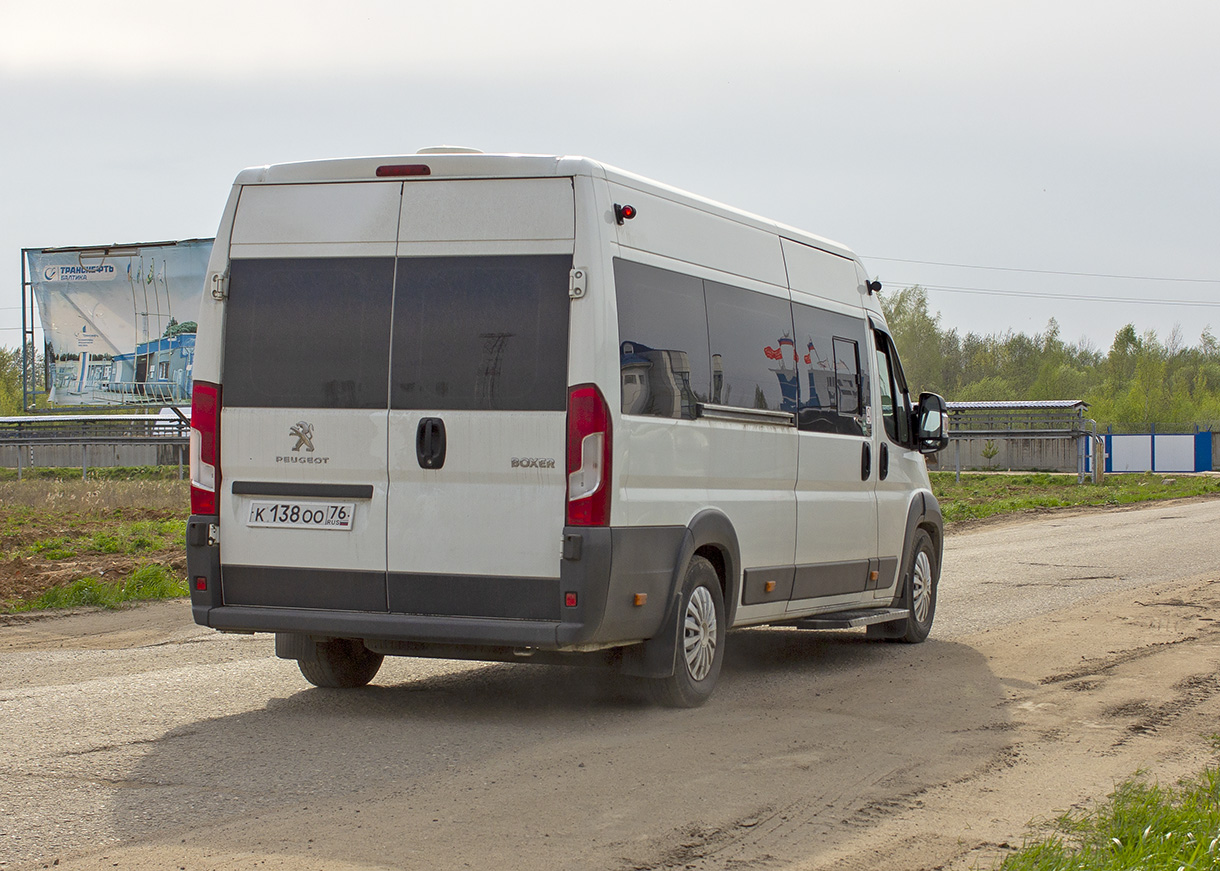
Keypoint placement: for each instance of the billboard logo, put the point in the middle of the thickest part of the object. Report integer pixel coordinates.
(72, 272)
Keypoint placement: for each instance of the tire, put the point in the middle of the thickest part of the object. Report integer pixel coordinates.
(701, 628)
(341, 663)
(922, 574)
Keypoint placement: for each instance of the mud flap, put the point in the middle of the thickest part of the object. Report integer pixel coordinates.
(294, 645)
(658, 656)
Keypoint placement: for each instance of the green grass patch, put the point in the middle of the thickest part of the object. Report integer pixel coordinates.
(100, 473)
(147, 582)
(1140, 825)
(119, 537)
(981, 495)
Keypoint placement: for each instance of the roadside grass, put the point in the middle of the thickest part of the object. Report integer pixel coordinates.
(1140, 825)
(96, 494)
(980, 495)
(150, 581)
(125, 537)
(99, 473)
(103, 541)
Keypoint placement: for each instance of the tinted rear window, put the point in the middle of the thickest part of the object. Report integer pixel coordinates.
(308, 333)
(481, 333)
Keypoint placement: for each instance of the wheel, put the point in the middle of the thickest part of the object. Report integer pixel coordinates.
(918, 595)
(701, 640)
(342, 663)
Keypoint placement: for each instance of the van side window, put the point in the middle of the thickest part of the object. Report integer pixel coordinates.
(895, 411)
(481, 333)
(663, 349)
(753, 353)
(834, 377)
(308, 333)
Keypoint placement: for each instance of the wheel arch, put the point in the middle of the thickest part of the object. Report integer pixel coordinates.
(923, 513)
(710, 534)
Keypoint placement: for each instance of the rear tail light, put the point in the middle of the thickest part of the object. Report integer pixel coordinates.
(205, 447)
(588, 457)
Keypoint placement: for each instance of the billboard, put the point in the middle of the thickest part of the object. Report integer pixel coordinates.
(119, 322)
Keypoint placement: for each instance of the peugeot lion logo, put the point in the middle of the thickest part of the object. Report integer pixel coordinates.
(304, 433)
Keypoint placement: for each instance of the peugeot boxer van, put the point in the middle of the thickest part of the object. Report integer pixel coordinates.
(538, 409)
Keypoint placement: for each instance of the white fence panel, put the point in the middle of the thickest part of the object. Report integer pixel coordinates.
(1131, 453)
(1175, 453)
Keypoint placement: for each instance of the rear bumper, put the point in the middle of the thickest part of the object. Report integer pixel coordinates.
(390, 627)
(607, 570)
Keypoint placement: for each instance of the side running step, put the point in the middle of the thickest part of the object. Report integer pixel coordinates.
(852, 619)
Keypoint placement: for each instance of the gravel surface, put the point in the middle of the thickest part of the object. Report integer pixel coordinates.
(1069, 650)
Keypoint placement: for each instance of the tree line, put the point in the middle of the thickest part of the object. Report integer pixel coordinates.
(1140, 380)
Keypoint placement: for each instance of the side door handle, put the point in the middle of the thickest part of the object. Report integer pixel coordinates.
(883, 462)
(866, 461)
(430, 443)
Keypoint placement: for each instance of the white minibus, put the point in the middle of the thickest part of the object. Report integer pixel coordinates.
(537, 409)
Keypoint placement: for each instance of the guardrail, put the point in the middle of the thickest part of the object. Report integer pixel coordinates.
(30, 431)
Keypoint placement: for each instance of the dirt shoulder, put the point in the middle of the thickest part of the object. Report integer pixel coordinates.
(1071, 704)
(820, 751)
(1094, 693)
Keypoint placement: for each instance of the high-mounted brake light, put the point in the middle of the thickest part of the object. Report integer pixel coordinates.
(205, 447)
(588, 457)
(399, 169)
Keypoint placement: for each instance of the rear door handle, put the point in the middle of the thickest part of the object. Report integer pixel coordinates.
(430, 443)
(883, 462)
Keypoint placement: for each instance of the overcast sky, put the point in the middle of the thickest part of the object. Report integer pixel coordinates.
(1054, 137)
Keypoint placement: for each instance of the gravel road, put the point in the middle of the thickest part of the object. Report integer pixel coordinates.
(1069, 650)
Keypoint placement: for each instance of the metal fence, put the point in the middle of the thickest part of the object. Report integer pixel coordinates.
(1052, 435)
(93, 440)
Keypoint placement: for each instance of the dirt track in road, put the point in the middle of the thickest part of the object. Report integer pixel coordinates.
(1069, 652)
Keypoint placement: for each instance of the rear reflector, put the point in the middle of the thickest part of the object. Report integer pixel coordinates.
(205, 447)
(588, 457)
(399, 169)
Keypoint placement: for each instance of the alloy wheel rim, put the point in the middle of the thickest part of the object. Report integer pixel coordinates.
(700, 633)
(921, 587)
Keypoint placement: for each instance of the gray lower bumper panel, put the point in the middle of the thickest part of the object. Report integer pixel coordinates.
(351, 624)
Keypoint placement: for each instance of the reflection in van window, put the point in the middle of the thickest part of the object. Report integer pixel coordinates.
(835, 376)
(754, 363)
(663, 351)
(308, 333)
(485, 332)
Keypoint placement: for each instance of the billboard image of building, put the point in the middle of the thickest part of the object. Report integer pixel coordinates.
(119, 321)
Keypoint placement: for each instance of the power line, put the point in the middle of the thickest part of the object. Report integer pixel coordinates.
(1033, 294)
(1050, 271)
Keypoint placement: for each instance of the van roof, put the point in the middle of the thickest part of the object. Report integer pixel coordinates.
(473, 165)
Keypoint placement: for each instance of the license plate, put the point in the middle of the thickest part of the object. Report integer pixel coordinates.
(302, 515)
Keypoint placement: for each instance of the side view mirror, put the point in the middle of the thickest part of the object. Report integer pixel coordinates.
(932, 424)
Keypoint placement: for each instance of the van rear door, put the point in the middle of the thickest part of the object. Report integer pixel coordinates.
(478, 398)
(304, 395)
